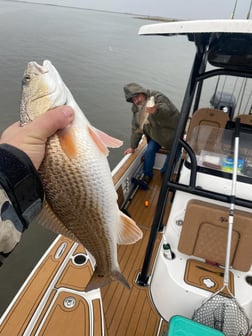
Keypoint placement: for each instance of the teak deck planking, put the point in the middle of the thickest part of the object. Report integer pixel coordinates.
(131, 312)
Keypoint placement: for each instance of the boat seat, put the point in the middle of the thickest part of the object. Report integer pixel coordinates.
(199, 138)
(204, 234)
(246, 119)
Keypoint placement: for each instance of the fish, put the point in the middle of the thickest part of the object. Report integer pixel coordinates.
(80, 197)
(143, 115)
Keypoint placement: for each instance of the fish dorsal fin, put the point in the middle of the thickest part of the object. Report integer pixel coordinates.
(50, 221)
(103, 140)
(129, 232)
(67, 142)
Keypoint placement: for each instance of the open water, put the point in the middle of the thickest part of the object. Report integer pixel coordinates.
(96, 53)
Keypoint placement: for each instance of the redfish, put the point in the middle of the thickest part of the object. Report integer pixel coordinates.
(143, 115)
(81, 201)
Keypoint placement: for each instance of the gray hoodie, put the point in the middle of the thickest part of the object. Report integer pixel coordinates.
(130, 90)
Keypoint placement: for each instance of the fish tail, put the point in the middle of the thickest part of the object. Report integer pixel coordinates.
(117, 275)
(98, 281)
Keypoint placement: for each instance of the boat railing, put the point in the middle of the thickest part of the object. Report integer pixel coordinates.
(209, 151)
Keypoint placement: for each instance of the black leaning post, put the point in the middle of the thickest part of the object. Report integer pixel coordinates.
(143, 277)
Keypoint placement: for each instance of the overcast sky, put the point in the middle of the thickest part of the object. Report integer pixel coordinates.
(181, 9)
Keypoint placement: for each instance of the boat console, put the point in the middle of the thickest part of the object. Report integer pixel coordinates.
(197, 227)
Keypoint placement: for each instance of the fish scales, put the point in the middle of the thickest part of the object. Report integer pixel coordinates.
(81, 201)
(75, 193)
(80, 194)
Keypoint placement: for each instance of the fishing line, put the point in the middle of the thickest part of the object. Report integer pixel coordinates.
(221, 91)
(239, 96)
(243, 87)
(249, 97)
(216, 87)
(233, 94)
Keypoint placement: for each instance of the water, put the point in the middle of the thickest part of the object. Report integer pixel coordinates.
(96, 53)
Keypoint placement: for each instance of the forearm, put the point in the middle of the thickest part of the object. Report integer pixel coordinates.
(134, 140)
(21, 195)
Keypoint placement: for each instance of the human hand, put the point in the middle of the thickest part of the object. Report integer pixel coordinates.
(32, 137)
(129, 150)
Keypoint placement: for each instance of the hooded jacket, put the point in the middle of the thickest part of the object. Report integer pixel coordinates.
(161, 125)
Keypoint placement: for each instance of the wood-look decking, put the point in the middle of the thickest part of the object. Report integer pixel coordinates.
(131, 312)
(44, 306)
(125, 312)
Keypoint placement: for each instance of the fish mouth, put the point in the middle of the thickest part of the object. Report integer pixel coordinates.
(41, 83)
(54, 81)
(59, 86)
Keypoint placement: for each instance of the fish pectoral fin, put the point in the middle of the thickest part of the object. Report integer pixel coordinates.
(103, 140)
(50, 221)
(129, 232)
(108, 140)
(67, 142)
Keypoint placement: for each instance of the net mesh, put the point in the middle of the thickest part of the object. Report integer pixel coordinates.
(224, 314)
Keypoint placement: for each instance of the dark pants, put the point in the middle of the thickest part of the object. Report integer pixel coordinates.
(149, 158)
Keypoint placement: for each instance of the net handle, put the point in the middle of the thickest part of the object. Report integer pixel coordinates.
(232, 201)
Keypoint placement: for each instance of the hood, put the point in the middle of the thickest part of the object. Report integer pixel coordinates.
(130, 90)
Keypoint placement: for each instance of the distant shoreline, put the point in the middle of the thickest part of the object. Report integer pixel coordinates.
(155, 18)
(136, 16)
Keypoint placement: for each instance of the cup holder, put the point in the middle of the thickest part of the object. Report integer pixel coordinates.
(249, 279)
(80, 259)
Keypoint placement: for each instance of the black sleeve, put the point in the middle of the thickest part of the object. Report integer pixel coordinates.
(21, 182)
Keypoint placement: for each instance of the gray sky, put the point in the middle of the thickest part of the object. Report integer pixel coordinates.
(181, 9)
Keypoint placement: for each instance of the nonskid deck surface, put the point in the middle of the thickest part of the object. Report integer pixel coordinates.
(131, 312)
(53, 301)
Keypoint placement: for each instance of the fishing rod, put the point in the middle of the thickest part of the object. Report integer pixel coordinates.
(248, 15)
(249, 11)
(233, 13)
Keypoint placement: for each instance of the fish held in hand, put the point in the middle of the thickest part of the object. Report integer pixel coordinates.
(81, 201)
(143, 115)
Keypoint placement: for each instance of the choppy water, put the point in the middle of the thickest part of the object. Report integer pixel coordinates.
(96, 53)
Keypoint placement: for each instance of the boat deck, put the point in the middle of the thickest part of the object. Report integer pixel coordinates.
(55, 291)
(131, 312)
